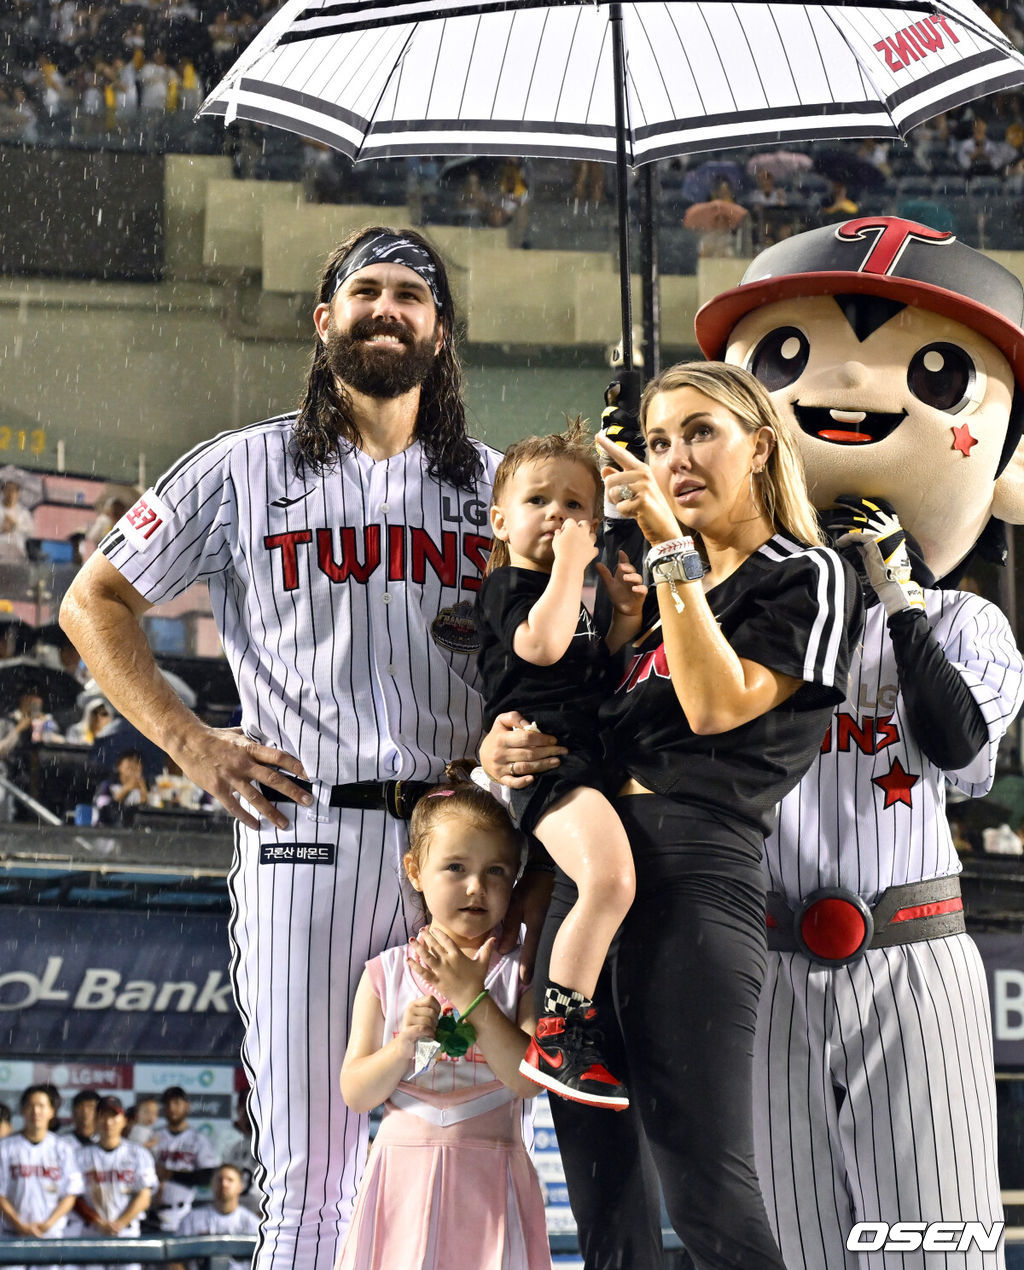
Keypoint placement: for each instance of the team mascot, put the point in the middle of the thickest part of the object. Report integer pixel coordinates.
(896, 354)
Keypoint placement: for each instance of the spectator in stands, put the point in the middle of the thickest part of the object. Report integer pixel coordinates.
(83, 1118)
(16, 524)
(28, 722)
(127, 789)
(931, 140)
(118, 1177)
(1004, 20)
(121, 93)
(192, 92)
(978, 154)
(76, 540)
(90, 102)
(5, 1120)
(837, 205)
(225, 1216)
(110, 507)
(54, 650)
(39, 1177)
(185, 1160)
(766, 193)
(49, 84)
(18, 118)
(15, 637)
(96, 714)
(120, 735)
(587, 183)
(158, 84)
(1011, 155)
(876, 153)
(145, 1114)
(224, 46)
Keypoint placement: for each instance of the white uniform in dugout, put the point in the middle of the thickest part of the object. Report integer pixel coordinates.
(35, 1177)
(344, 604)
(876, 1093)
(207, 1221)
(111, 1179)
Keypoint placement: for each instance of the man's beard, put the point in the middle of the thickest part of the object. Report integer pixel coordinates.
(376, 371)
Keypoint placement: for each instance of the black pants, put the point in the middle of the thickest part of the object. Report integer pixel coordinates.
(678, 1003)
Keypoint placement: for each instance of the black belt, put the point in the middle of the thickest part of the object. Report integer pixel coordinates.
(835, 926)
(397, 798)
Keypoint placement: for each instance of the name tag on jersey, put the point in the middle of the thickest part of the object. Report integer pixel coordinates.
(297, 852)
(141, 524)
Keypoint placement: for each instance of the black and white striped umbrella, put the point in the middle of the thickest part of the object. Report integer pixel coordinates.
(627, 83)
(376, 79)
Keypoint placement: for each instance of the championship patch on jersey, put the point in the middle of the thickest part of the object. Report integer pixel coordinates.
(297, 852)
(142, 523)
(455, 628)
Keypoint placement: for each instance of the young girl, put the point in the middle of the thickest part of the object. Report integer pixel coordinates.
(439, 1028)
(540, 654)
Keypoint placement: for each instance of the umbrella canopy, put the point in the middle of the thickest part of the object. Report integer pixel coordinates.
(782, 164)
(700, 183)
(18, 676)
(500, 77)
(850, 169)
(627, 83)
(719, 213)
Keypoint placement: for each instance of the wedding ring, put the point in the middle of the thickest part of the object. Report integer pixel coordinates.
(511, 769)
(625, 493)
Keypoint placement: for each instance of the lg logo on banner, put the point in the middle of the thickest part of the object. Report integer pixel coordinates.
(936, 1236)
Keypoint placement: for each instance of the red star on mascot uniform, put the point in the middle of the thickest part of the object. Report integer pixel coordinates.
(895, 353)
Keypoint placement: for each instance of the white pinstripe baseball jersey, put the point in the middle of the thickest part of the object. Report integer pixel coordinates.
(186, 1151)
(870, 813)
(112, 1178)
(208, 1221)
(35, 1177)
(331, 595)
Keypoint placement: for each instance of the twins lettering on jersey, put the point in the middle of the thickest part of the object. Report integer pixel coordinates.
(407, 553)
(869, 733)
(52, 1172)
(177, 1161)
(101, 1177)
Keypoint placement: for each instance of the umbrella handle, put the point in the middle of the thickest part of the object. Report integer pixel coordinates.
(621, 186)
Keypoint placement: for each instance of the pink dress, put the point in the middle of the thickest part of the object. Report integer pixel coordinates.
(448, 1182)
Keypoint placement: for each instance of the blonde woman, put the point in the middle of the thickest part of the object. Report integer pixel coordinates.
(743, 654)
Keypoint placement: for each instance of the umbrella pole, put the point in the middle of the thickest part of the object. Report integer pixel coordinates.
(649, 271)
(621, 185)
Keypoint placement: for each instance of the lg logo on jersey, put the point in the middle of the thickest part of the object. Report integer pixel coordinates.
(936, 1236)
(472, 511)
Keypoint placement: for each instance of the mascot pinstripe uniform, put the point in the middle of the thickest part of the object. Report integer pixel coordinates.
(896, 354)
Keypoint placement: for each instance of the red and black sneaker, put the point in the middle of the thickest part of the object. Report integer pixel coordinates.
(563, 1056)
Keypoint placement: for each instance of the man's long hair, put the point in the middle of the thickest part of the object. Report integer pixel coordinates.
(325, 412)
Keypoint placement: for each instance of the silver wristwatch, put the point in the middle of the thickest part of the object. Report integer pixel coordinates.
(683, 568)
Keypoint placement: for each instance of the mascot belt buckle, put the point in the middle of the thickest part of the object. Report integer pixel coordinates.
(833, 926)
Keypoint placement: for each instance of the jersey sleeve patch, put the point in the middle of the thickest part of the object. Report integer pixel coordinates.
(145, 523)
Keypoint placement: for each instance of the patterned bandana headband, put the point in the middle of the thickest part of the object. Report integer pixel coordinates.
(388, 249)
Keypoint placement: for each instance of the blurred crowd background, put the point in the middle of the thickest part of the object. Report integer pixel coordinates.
(131, 76)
